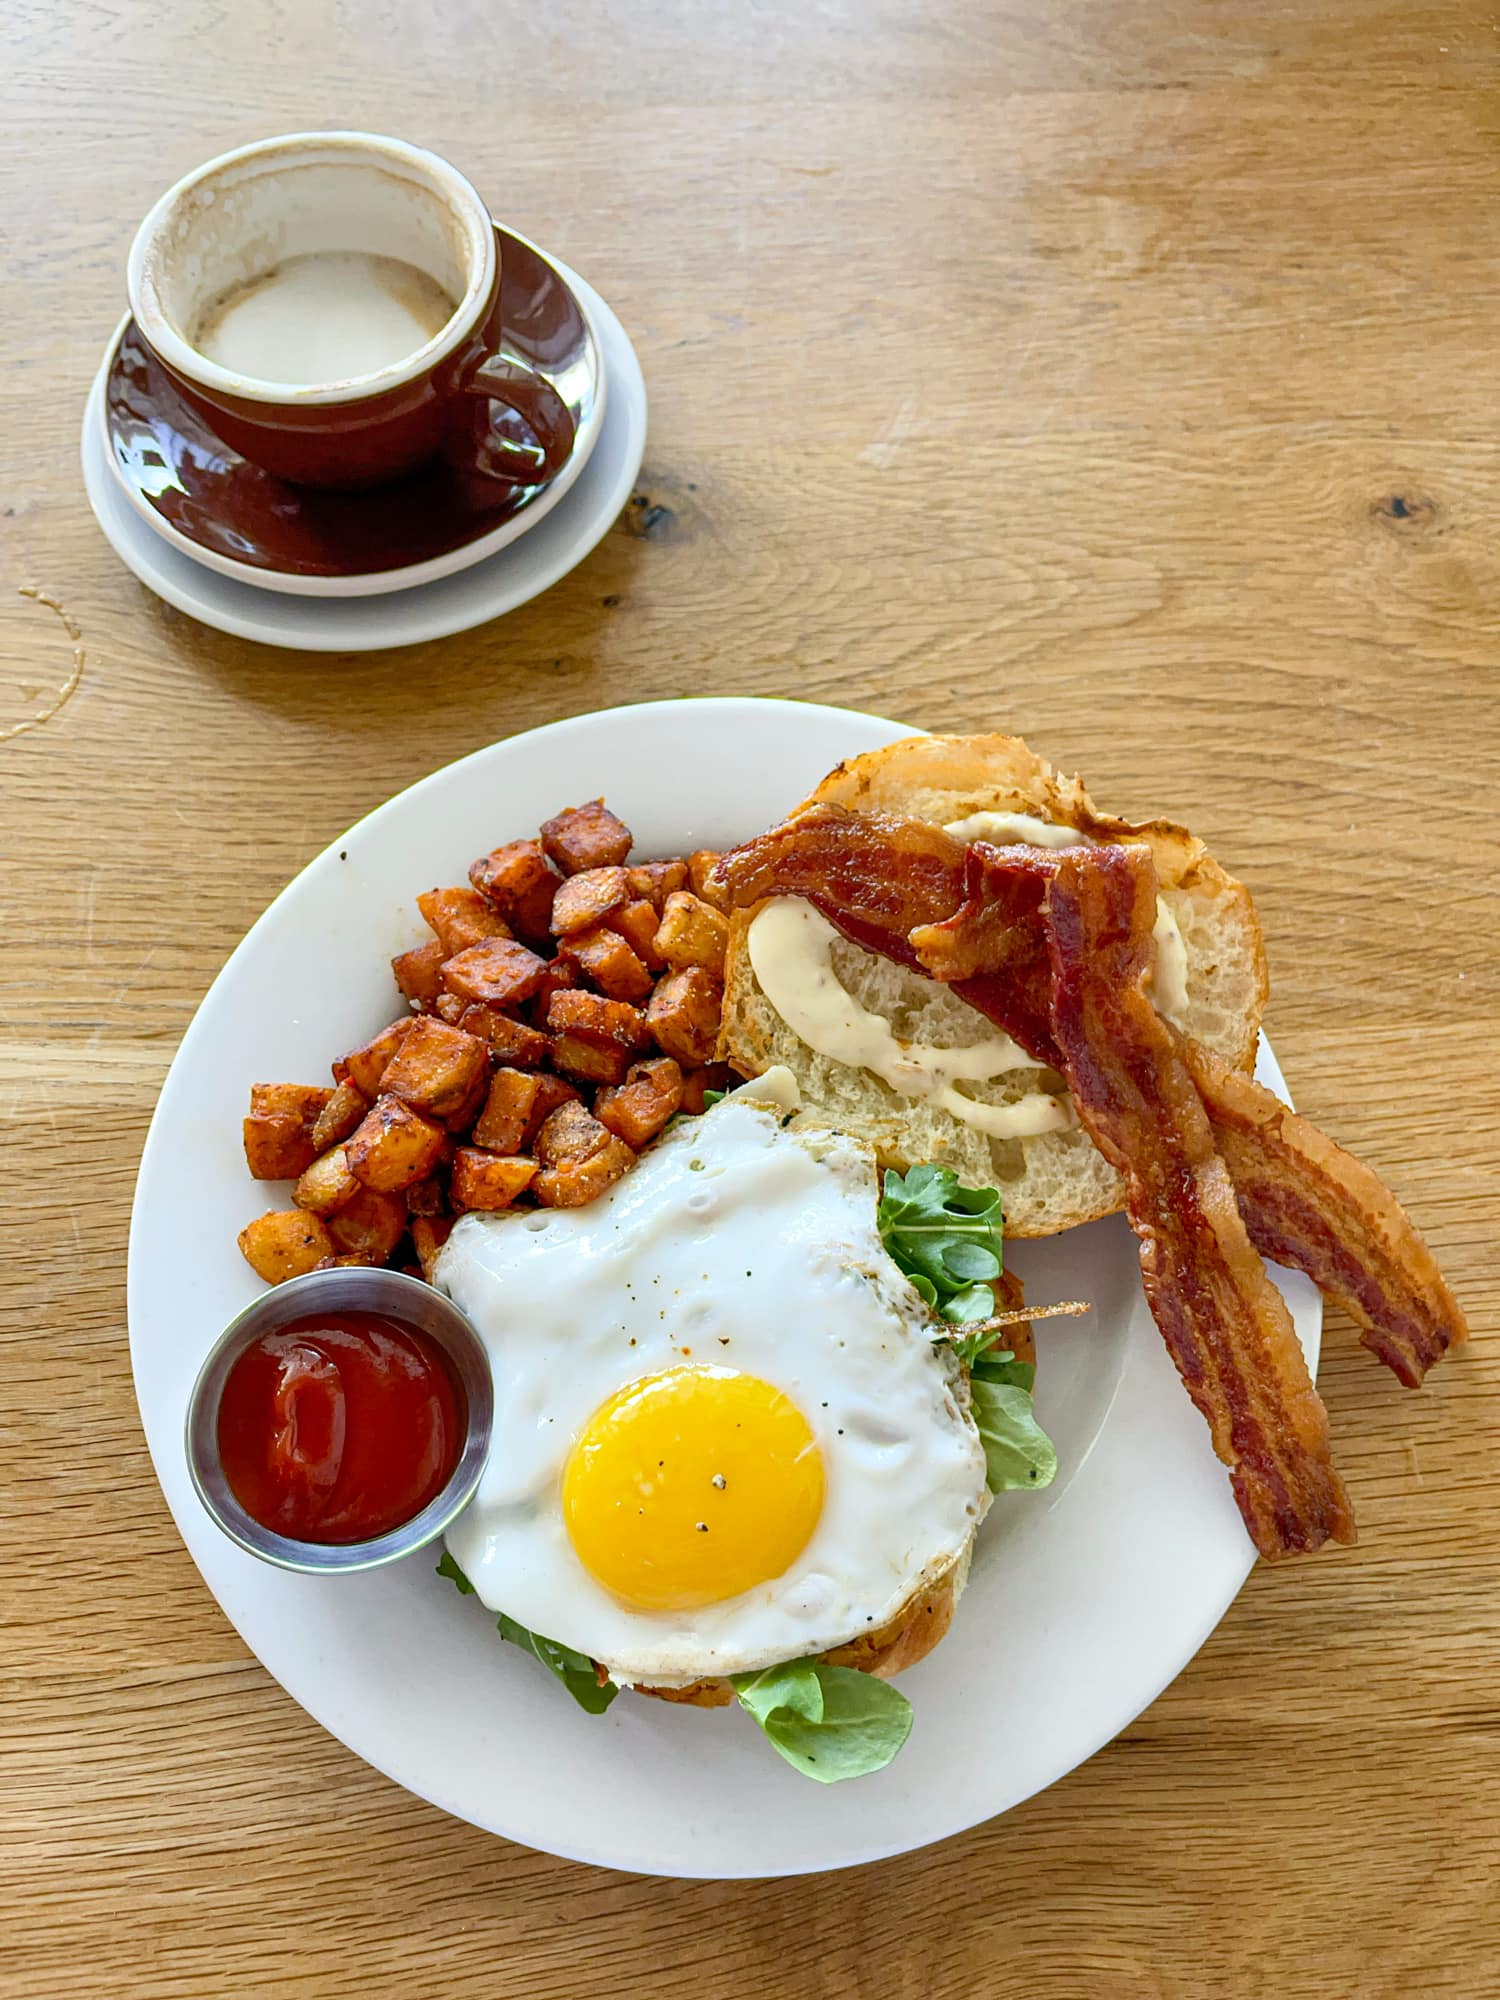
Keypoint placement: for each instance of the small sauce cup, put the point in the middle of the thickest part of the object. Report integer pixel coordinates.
(396, 1297)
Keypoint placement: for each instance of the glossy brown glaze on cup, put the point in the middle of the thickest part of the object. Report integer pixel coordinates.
(356, 443)
(183, 467)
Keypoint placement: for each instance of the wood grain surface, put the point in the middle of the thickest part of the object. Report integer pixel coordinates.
(1123, 374)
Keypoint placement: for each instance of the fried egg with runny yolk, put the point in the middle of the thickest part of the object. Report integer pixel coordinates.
(723, 1437)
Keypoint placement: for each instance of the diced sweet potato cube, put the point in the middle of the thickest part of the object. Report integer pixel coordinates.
(701, 874)
(592, 1062)
(692, 934)
(370, 1227)
(339, 1116)
(684, 1015)
(605, 957)
(364, 1067)
(637, 1109)
(428, 1234)
(571, 1132)
(278, 1147)
(393, 1146)
(426, 1198)
(350, 1263)
(463, 1115)
(497, 972)
(328, 1184)
(514, 1043)
(586, 899)
(448, 1007)
(284, 1244)
(581, 1158)
(637, 923)
(588, 836)
(302, 1101)
(518, 881)
(695, 1082)
(593, 1018)
(579, 1182)
(655, 880)
(419, 972)
(551, 1091)
(461, 917)
(502, 1125)
(278, 1133)
(486, 1181)
(435, 1068)
(560, 976)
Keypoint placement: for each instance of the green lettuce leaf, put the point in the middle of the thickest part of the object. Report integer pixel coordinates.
(946, 1238)
(574, 1670)
(450, 1569)
(829, 1723)
(1017, 1451)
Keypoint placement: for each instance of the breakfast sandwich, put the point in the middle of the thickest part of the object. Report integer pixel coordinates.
(949, 926)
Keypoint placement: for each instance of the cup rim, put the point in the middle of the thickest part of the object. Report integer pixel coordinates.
(362, 1289)
(185, 360)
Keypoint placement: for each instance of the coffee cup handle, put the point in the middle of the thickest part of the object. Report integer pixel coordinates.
(533, 397)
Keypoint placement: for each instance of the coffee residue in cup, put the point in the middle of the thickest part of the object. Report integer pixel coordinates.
(322, 318)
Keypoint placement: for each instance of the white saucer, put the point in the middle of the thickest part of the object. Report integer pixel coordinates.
(511, 577)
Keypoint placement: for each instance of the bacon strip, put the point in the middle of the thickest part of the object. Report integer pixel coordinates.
(1309, 1204)
(906, 890)
(1226, 1326)
(893, 885)
(1305, 1201)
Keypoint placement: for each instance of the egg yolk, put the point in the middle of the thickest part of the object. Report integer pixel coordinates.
(688, 1487)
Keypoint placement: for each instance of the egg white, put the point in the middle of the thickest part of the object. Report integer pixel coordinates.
(752, 1247)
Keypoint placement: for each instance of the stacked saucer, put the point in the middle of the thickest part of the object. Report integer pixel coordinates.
(438, 551)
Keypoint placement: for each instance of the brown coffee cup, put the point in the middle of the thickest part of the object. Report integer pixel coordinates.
(327, 253)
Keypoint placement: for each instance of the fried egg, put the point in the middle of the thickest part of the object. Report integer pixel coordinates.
(723, 1437)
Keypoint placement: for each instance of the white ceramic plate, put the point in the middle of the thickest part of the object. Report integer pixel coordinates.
(557, 543)
(1089, 1597)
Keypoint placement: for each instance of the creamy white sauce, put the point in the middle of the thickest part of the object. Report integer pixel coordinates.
(791, 946)
(1169, 982)
(1015, 830)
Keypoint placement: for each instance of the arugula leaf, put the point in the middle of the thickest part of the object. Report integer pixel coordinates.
(995, 1366)
(946, 1238)
(829, 1723)
(713, 1097)
(574, 1670)
(450, 1569)
(1017, 1451)
(974, 1302)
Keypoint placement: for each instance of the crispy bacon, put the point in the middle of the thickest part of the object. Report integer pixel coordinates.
(1309, 1204)
(1226, 1326)
(1305, 1201)
(900, 887)
(874, 875)
(904, 889)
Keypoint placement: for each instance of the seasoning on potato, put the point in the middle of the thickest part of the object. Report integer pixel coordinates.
(564, 1008)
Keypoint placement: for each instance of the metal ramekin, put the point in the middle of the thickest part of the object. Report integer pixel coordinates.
(402, 1298)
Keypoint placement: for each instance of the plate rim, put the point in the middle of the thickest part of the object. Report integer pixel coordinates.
(1210, 1612)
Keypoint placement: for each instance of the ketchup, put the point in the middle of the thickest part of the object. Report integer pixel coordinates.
(340, 1426)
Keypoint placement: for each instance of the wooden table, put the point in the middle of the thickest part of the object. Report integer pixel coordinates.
(1121, 374)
